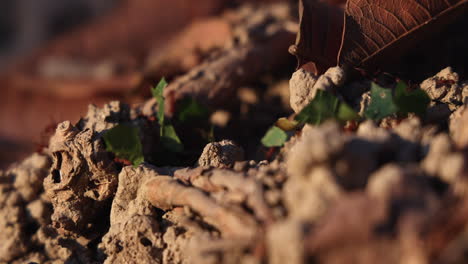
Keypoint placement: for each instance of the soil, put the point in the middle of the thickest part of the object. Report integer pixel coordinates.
(393, 191)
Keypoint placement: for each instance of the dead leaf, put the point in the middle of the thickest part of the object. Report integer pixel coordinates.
(379, 30)
(319, 38)
(375, 31)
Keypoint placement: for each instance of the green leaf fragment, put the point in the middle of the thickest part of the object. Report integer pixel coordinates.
(325, 106)
(274, 137)
(124, 141)
(286, 124)
(321, 108)
(403, 101)
(415, 101)
(170, 140)
(158, 94)
(346, 113)
(381, 105)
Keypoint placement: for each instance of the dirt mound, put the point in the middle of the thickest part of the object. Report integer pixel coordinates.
(373, 195)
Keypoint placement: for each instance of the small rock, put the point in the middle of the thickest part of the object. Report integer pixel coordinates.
(221, 154)
(301, 89)
(444, 88)
(304, 85)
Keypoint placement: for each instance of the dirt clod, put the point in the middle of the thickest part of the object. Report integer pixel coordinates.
(82, 178)
(444, 87)
(303, 85)
(221, 154)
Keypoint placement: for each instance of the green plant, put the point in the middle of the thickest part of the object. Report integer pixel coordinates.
(275, 137)
(323, 107)
(168, 136)
(384, 102)
(124, 141)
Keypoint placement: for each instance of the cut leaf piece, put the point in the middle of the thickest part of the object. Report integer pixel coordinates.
(286, 124)
(415, 101)
(124, 141)
(157, 93)
(346, 113)
(274, 137)
(325, 106)
(381, 104)
(321, 108)
(170, 140)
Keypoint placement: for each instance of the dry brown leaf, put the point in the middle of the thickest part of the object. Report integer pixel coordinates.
(375, 31)
(318, 40)
(378, 30)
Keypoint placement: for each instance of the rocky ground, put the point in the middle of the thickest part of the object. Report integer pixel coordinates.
(392, 191)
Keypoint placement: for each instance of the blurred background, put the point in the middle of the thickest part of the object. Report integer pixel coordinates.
(27, 24)
(59, 56)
